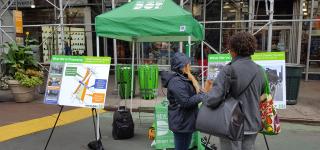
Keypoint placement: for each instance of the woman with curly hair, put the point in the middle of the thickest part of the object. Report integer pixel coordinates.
(247, 87)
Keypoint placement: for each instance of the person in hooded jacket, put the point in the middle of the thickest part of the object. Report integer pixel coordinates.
(241, 47)
(184, 95)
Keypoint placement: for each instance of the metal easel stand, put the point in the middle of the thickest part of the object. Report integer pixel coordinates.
(54, 127)
(94, 145)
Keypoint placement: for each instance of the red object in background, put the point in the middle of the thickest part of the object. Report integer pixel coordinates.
(316, 24)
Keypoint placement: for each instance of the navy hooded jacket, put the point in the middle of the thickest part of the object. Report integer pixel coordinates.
(183, 100)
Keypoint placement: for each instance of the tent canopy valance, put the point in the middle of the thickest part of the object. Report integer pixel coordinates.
(149, 21)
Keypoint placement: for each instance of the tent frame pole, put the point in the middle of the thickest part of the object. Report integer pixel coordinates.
(181, 43)
(98, 120)
(189, 47)
(132, 73)
(98, 45)
(115, 56)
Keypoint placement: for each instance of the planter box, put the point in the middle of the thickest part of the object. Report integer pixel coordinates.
(20, 93)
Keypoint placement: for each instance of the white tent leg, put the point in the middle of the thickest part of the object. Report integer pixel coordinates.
(132, 74)
(115, 58)
(202, 74)
(98, 120)
(98, 46)
(189, 43)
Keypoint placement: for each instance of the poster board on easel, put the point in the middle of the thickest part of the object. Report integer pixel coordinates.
(79, 81)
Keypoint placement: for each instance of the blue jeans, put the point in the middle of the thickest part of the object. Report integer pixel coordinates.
(182, 141)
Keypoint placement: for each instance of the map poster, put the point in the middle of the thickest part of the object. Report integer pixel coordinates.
(272, 62)
(79, 81)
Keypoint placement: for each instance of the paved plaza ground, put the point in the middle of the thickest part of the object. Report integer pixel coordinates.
(26, 126)
(75, 136)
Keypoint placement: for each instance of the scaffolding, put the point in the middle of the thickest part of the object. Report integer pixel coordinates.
(63, 4)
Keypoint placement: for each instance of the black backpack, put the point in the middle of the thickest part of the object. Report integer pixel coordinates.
(122, 126)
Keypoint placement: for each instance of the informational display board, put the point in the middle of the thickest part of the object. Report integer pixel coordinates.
(164, 137)
(79, 81)
(272, 62)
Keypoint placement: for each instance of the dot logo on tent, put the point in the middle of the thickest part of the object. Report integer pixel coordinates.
(150, 5)
(183, 28)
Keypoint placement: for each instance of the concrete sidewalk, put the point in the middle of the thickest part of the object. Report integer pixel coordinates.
(77, 135)
(12, 112)
(306, 111)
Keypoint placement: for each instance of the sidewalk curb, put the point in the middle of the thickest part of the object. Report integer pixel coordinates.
(290, 120)
(300, 120)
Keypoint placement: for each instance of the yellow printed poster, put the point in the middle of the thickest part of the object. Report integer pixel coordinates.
(17, 17)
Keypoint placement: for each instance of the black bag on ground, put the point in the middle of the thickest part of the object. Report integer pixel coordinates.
(122, 126)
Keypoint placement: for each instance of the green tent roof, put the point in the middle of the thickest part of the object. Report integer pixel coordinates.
(149, 21)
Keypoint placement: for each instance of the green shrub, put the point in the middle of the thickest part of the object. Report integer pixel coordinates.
(28, 81)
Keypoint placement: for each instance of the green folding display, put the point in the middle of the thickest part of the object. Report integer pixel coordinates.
(148, 81)
(164, 137)
(124, 77)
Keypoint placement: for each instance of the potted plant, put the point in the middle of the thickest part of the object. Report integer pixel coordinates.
(23, 69)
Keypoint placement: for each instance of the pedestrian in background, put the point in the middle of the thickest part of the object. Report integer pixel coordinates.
(241, 47)
(184, 95)
(206, 52)
(67, 49)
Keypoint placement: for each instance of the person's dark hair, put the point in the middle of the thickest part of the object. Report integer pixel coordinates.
(243, 43)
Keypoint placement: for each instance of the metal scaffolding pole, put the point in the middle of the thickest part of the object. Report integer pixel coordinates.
(6, 8)
(300, 32)
(55, 11)
(309, 42)
(1, 36)
(260, 21)
(220, 31)
(206, 22)
(202, 43)
(1, 15)
(270, 25)
(61, 26)
(251, 14)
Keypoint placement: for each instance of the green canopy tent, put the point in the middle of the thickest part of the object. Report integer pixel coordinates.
(148, 21)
